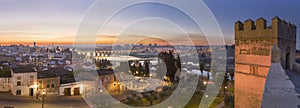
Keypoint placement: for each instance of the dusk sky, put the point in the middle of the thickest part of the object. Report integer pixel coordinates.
(47, 21)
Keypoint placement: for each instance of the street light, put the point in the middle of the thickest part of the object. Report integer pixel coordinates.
(225, 88)
(204, 84)
(43, 96)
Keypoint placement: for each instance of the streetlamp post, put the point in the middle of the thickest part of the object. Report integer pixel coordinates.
(43, 96)
(225, 89)
(36, 86)
(204, 84)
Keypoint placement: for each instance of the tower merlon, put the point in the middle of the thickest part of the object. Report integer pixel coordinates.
(261, 24)
(249, 25)
(239, 26)
(276, 18)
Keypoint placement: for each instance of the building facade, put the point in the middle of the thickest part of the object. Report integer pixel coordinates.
(107, 80)
(5, 84)
(71, 89)
(49, 81)
(24, 81)
(253, 45)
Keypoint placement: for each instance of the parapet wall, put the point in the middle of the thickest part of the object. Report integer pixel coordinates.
(259, 28)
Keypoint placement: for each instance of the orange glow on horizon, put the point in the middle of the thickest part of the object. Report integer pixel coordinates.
(194, 40)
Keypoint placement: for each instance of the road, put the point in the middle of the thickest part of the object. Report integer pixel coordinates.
(50, 102)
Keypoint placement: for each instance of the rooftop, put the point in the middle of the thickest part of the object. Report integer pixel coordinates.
(24, 69)
(105, 72)
(46, 74)
(61, 71)
(66, 76)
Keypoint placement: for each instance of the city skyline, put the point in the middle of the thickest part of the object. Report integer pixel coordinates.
(157, 53)
(55, 22)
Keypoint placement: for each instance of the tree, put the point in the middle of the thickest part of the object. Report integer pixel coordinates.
(178, 62)
(224, 83)
(5, 72)
(229, 101)
(140, 69)
(130, 100)
(163, 94)
(172, 64)
(151, 96)
(201, 68)
(133, 95)
(231, 72)
(146, 70)
(208, 75)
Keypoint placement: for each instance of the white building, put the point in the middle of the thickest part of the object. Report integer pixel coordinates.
(24, 81)
(71, 89)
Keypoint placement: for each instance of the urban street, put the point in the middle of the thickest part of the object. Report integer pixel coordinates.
(49, 102)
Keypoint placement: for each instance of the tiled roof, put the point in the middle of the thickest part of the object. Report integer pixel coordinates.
(65, 75)
(24, 69)
(60, 71)
(46, 74)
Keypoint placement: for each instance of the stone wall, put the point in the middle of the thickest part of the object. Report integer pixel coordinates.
(253, 46)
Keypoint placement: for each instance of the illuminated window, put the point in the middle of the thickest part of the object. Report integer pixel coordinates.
(19, 81)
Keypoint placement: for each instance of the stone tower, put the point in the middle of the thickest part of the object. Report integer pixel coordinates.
(253, 51)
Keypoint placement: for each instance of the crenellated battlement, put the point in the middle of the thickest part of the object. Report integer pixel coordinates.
(278, 28)
(261, 24)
